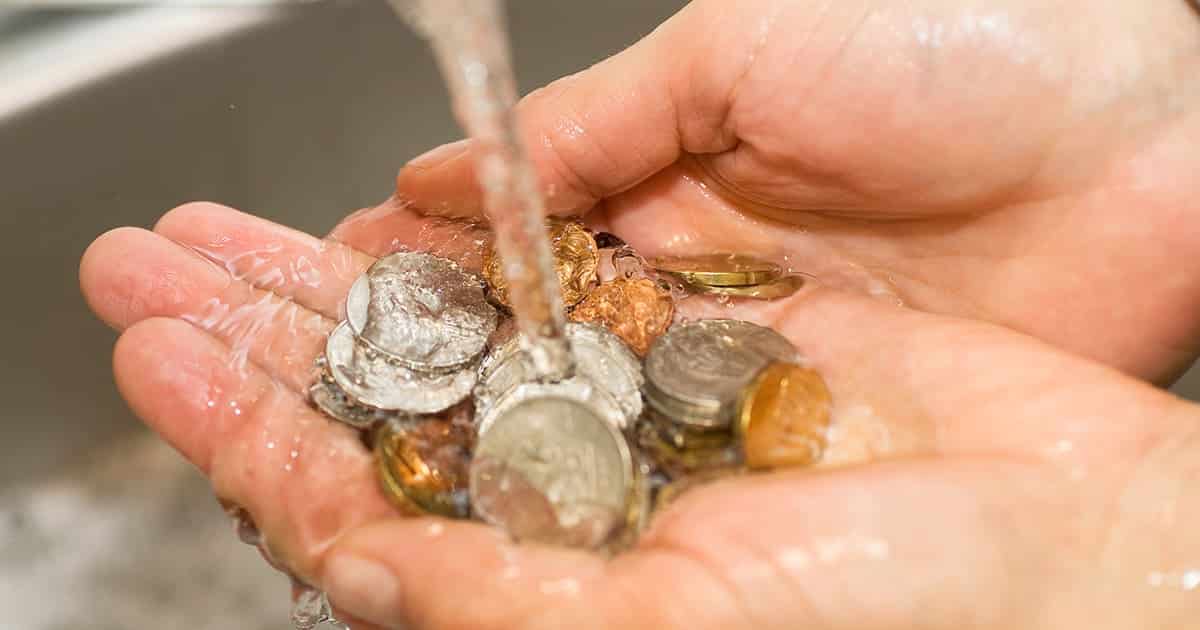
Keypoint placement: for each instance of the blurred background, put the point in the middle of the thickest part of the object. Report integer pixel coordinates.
(112, 116)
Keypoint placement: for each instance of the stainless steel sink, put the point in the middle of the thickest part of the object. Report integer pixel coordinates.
(300, 115)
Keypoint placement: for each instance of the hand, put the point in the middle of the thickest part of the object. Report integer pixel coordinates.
(1022, 488)
(1023, 162)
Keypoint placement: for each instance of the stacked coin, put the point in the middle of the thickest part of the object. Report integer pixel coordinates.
(462, 426)
(732, 275)
(724, 393)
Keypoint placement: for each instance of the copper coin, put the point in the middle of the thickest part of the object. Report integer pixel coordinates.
(576, 259)
(783, 416)
(425, 464)
(637, 311)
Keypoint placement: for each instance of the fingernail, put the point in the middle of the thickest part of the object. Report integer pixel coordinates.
(364, 588)
(438, 155)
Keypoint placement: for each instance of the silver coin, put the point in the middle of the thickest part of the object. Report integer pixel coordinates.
(601, 360)
(330, 400)
(696, 371)
(578, 388)
(368, 378)
(421, 310)
(551, 470)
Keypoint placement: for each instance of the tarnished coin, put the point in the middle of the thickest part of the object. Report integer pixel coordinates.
(783, 417)
(697, 370)
(575, 260)
(425, 464)
(330, 400)
(677, 458)
(719, 270)
(781, 288)
(602, 361)
(369, 378)
(552, 470)
(422, 311)
(637, 311)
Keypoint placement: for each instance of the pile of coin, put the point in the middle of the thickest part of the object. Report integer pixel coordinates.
(427, 364)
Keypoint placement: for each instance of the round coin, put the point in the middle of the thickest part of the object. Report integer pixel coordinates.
(421, 310)
(369, 378)
(783, 417)
(602, 361)
(576, 259)
(426, 464)
(330, 400)
(719, 270)
(781, 288)
(697, 370)
(578, 388)
(636, 310)
(552, 470)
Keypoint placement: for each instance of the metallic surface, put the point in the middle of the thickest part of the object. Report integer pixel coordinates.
(695, 373)
(423, 311)
(552, 470)
(781, 288)
(719, 270)
(330, 400)
(601, 362)
(576, 259)
(783, 417)
(424, 465)
(370, 379)
(637, 311)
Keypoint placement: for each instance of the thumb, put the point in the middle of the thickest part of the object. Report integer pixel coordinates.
(588, 135)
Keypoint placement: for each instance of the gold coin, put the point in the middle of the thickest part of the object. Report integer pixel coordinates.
(637, 311)
(719, 270)
(783, 416)
(576, 259)
(423, 466)
(780, 288)
(678, 455)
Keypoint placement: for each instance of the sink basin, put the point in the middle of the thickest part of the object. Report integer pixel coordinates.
(300, 114)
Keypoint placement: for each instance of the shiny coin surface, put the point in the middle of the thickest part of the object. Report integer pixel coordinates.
(719, 270)
(422, 311)
(552, 470)
(781, 288)
(695, 373)
(369, 378)
(784, 416)
(579, 388)
(677, 459)
(637, 311)
(425, 464)
(575, 261)
(330, 400)
(602, 361)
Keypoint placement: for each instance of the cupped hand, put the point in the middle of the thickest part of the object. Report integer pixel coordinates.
(1030, 163)
(1016, 486)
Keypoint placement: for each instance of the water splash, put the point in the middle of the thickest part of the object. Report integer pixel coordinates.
(469, 40)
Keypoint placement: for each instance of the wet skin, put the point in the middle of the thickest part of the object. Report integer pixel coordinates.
(1022, 174)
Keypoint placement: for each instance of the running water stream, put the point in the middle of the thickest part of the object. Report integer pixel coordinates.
(470, 42)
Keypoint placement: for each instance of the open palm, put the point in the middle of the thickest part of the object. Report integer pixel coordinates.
(1002, 169)
(1008, 471)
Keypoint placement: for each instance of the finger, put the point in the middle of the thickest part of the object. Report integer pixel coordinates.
(778, 551)
(304, 480)
(597, 132)
(394, 226)
(129, 275)
(317, 274)
(395, 574)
